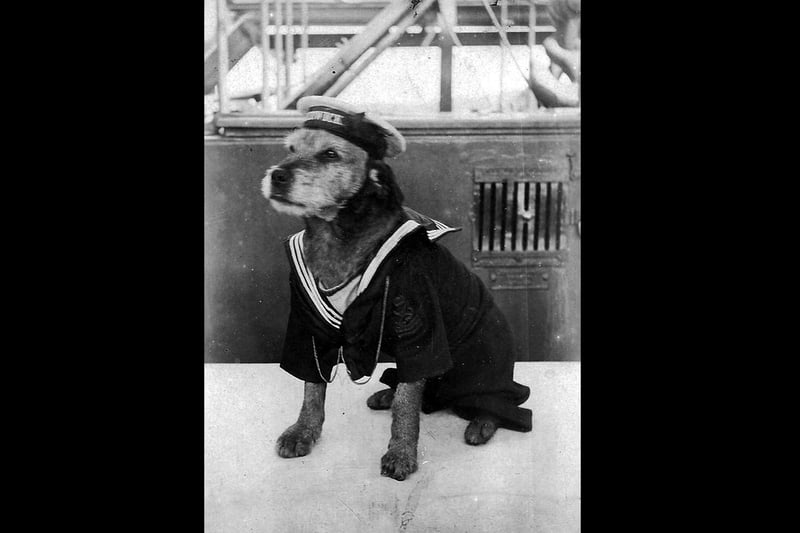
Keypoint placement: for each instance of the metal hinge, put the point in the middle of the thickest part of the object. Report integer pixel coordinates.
(574, 218)
(572, 174)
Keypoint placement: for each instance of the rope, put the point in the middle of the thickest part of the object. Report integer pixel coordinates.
(504, 40)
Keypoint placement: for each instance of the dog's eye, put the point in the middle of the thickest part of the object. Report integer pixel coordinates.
(291, 148)
(330, 154)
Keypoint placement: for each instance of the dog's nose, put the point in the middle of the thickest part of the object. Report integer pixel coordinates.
(280, 176)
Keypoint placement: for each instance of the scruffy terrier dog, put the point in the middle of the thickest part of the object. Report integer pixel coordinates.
(362, 251)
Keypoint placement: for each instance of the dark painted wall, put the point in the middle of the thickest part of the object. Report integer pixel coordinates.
(246, 270)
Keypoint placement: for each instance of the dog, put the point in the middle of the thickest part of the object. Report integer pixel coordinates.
(368, 278)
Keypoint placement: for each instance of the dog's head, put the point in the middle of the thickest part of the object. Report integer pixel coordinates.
(325, 173)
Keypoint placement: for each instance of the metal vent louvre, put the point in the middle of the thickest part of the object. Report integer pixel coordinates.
(518, 216)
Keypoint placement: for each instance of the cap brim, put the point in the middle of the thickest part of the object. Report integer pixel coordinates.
(395, 142)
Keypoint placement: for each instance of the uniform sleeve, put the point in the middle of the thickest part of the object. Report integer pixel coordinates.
(419, 338)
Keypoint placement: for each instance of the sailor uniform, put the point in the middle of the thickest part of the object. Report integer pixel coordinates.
(418, 305)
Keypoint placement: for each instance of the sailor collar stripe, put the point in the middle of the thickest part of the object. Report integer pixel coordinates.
(407, 227)
(442, 229)
(325, 310)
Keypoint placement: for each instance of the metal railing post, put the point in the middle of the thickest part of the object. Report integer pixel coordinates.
(222, 47)
(531, 44)
(304, 36)
(289, 43)
(503, 19)
(264, 54)
(278, 54)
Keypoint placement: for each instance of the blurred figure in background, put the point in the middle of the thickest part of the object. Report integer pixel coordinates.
(564, 50)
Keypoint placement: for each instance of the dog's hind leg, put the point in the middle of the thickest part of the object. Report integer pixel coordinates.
(481, 429)
(300, 437)
(381, 400)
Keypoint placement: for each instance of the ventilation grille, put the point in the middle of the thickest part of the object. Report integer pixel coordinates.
(518, 216)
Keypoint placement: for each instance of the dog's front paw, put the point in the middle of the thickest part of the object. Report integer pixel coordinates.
(399, 462)
(297, 441)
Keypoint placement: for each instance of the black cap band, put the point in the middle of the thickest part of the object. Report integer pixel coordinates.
(349, 126)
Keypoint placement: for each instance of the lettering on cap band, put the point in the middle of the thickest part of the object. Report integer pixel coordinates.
(352, 127)
(325, 116)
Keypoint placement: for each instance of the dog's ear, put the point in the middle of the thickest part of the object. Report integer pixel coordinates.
(381, 178)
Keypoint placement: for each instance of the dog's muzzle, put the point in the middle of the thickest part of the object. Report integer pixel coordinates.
(280, 177)
(275, 185)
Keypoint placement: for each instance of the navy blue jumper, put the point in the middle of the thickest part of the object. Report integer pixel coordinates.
(439, 323)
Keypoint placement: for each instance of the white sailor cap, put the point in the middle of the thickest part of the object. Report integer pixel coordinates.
(370, 132)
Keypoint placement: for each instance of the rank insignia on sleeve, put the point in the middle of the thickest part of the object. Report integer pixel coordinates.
(406, 321)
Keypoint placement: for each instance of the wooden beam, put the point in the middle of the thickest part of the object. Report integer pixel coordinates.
(388, 40)
(470, 12)
(331, 40)
(326, 76)
(240, 40)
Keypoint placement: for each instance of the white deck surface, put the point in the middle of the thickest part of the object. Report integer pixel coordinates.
(516, 482)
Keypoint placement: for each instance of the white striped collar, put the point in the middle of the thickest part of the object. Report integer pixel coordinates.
(326, 311)
(433, 228)
(441, 229)
(407, 227)
(324, 308)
